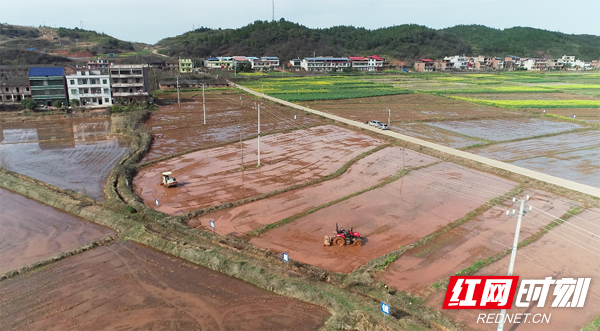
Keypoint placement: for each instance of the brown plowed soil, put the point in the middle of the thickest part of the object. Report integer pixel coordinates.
(482, 237)
(566, 251)
(71, 153)
(389, 217)
(406, 108)
(176, 131)
(371, 170)
(212, 177)
(31, 231)
(128, 287)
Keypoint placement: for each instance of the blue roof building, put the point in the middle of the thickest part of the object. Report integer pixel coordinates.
(48, 85)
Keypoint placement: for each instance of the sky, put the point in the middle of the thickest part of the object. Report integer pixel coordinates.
(151, 20)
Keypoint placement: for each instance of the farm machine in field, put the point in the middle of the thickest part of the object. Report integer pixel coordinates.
(167, 180)
(343, 237)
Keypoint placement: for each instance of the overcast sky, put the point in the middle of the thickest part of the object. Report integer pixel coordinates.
(151, 20)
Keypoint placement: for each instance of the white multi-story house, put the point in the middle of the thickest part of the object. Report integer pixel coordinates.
(375, 63)
(458, 62)
(273, 59)
(359, 63)
(325, 63)
(90, 87)
(260, 64)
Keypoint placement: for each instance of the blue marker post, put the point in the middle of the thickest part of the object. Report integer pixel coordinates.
(212, 225)
(573, 115)
(385, 309)
(156, 202)
(286, 258)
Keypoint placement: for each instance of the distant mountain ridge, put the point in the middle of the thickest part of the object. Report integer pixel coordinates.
(407, 42)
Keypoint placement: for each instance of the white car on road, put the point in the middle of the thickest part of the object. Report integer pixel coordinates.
(379, 125)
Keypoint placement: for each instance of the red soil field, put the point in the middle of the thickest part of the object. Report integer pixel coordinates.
(566, 251)
(176, 131)
(406, 108)
(397, 214)
(32, 231)
(125, 286)
(214, 176)
(371, 170)
(486, 235)
(70, 153)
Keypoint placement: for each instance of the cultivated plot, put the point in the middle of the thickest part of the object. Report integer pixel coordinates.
(433, 134)
(72, 153)
(228, 114)
(406, 108)
(569, 250)
(32, 232)
(478, 239)
(125, 286)
(214, 176)
(388, 217)
(367, 172)
(506, 129)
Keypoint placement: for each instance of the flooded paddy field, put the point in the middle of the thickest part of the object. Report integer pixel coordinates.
(70, 153)
(371, 170)
(407, 108)
(214, 176)
(567, 251)
(32, 231)
(434, 134)
(397, 214)
(506, 129)
(487, 234)
(227, 116)
(125, 286)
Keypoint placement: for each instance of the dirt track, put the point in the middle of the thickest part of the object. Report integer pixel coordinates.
(394, 215)
(128, 287)
(367, 172)
(211, 177)
(31, 231)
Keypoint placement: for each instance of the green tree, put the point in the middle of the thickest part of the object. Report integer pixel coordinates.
(28, 104)
(57, 104)
(74, 102)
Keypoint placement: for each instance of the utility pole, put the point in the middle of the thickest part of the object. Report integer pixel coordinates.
(242, 146)
(389, 116)
(258, 165)
(203, 103)
(513, 255)
(178, 100)
(273, 2)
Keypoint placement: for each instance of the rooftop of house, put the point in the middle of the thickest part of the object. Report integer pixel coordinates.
(46, 71)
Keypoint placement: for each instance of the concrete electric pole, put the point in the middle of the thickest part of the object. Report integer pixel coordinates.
(513, 255)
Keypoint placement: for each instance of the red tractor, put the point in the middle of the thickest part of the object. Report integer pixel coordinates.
(343, 237)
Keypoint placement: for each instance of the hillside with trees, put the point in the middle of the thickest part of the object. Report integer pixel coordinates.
(408, 42)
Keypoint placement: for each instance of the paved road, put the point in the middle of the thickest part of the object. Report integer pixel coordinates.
(586, 189)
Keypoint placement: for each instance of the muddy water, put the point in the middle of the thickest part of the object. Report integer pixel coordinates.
(128, 287)
(566, 251)
(214, 176)
(435, 135)
(397, 214)
(505, 129)
(367, 172)
(31, 231)
(71, 153)
(227, 117)
(484, 236)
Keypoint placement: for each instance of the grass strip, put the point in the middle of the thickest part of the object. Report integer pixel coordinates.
(593, 326)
